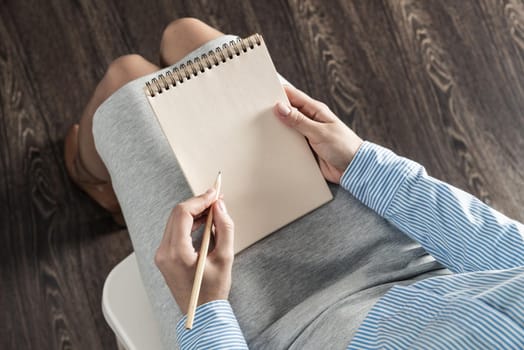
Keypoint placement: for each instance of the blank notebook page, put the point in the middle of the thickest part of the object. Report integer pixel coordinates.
(222, 120)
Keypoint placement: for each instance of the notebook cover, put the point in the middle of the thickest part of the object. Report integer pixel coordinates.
(222, 120)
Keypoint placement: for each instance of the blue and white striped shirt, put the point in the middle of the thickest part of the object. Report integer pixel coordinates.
(480, 306)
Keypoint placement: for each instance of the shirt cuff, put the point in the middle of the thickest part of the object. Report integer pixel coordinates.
(375, 175)
(214, 326)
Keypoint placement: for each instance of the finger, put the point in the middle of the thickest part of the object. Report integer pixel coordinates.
(183, 218)
(310, 107)
(224, 232)
(181, 228)
(196, 205)
(174, 243)
(296, 120)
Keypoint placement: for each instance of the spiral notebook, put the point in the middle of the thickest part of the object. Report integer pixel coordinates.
(216, 111)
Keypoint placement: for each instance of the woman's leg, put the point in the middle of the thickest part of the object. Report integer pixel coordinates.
(182, 36)
(83, 162)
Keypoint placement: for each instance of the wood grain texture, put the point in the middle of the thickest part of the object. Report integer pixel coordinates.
(440, 82)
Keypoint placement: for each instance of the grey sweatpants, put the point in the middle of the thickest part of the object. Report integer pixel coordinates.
(308, 285)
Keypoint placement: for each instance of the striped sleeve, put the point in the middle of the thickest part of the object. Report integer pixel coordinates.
(460, 231)
(214, 327)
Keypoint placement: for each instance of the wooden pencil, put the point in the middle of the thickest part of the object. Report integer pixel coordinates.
(201, 262)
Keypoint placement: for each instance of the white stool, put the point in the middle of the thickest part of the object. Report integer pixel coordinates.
(127, 309)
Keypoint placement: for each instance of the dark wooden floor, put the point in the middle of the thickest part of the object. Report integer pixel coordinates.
(441, 82)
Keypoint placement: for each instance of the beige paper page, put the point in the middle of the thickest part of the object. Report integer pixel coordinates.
(223, 120)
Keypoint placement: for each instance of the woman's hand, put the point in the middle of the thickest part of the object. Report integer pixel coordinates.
(176, 257)
(333, 142)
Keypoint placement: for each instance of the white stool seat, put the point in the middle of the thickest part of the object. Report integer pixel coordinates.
(127, 309)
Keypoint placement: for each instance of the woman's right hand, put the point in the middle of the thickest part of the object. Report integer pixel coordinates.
(333, 142)
(177, 259)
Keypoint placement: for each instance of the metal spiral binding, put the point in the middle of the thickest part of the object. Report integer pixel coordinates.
(192, 68)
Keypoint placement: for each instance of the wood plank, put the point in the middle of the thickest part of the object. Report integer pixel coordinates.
(467, 97)
(437, 81)
(51, 224)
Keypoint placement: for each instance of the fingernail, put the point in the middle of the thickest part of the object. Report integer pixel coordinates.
(211, 190)
(222, 205)
(283, 109)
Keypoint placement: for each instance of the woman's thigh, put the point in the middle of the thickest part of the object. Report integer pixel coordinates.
(341, 244)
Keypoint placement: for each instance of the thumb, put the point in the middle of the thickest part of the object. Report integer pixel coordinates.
(296, 120)
(224, 232)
